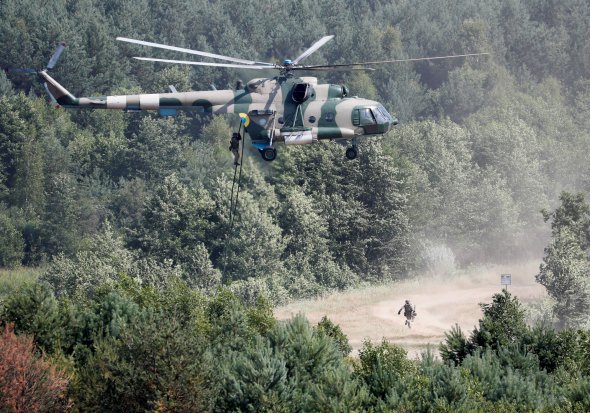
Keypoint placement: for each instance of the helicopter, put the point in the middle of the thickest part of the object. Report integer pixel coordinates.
(284, 108)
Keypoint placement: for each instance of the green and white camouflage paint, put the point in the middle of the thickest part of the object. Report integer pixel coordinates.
(285, 108)
(275, 111)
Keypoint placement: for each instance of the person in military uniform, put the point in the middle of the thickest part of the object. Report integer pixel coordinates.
(409, 312)
(234, 147)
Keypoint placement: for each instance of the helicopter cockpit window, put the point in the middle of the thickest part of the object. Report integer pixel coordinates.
(380, 116)
(384, 113)
(366, 117)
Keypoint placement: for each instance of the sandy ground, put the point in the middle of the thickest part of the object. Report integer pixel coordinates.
(371, 312)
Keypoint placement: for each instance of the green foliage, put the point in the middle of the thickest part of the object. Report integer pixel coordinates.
(565, 271)
(381, 366)
(156, 149)
(175, 218)
(12, 279)
(5, 85)
(474, 186)
(334, 331)
(486, 143)
(250, 248)
(456, 346)
(156, 364)
(502, 323)
(11, 242)
(34, 310)
(367, 230)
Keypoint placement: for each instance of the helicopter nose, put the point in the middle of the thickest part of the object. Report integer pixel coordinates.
(392, 123)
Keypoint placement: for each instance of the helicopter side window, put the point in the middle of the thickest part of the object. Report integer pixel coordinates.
(329, 117)
(366, 117)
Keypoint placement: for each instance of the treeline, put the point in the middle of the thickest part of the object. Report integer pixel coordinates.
(131, 347)
(485, 144)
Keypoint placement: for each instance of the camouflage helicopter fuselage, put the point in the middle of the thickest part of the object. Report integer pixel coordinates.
(293, 110)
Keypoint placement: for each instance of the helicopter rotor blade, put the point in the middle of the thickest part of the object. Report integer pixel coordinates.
(187, 62)
(413, 59)
(313, 48)
(21, 71)
(333, 68)
(195, 52)
(56, 55)
(360, 65)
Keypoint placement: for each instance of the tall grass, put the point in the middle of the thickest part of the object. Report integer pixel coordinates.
(12, 279)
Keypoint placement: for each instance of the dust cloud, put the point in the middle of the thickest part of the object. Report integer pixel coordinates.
(371, 312)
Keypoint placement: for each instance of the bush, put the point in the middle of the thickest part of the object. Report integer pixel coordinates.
(155, 365)
(334, 331)
(502, 322)
(456, 346)
(382, 366)
(29, 383)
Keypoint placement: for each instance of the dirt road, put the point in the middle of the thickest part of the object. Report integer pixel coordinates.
(371, 312)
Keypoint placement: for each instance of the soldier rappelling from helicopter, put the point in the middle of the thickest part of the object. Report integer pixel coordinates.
(409, 312)
(234, 147)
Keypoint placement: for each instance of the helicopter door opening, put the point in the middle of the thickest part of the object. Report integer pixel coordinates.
(301, 92)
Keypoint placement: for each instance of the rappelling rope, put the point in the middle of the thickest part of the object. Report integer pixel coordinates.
(233, 206)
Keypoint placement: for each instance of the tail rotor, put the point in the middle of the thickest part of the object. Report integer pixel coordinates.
(52, 90)
(50, 65)
(56, 55)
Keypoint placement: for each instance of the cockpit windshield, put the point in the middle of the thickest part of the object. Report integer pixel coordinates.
(382, 115)
(367, 117)
(373, 119)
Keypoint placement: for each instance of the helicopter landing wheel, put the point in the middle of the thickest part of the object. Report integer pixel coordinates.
(268, 154)
(351, 153)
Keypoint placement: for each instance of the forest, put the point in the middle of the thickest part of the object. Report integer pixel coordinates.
(125, 286)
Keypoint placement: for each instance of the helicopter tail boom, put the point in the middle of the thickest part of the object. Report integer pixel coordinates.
(57, 92)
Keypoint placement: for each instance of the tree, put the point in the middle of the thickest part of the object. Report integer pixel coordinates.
(250, 248)
(11, 242)
(29, 383)
(456, 346)
(157, 364)
(330, 329)
(381, 366)
(34, 310)
(465, 92)
(5, 85)
(565, 271)
(99, 263)
(502, 323)
(156, 149)
(176, 218)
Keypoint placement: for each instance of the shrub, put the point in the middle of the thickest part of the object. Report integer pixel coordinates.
(29, 383)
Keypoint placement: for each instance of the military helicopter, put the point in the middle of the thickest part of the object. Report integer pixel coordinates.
(284, 108)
